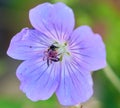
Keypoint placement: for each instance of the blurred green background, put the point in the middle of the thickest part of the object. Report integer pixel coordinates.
(104, 18)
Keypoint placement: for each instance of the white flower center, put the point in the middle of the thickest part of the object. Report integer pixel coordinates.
(62, 49)
(56, 52)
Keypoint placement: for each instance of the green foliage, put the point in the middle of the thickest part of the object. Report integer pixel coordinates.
(23, 102)
(10, 103)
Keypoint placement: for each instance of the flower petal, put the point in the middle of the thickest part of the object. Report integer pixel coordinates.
(27, 43)
(38, 80)
(88, 48)
(54, 20)
(76, 84)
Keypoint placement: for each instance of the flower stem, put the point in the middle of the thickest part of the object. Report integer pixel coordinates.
(112, 77)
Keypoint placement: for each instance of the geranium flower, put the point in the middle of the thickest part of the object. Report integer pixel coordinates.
(56, 57)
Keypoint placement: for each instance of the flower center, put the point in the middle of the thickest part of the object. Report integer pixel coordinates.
(62, 48)
(56, 52)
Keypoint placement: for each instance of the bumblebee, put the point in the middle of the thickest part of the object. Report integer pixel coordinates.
(51, 54)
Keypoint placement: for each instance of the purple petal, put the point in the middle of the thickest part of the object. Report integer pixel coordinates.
(54, 20)
(38, 80)
(88, 48)
(28, 43)
(75, 85)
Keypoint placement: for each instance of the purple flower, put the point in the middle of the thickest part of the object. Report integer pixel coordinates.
(56, 57)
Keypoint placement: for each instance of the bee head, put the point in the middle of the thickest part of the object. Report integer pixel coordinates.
(53, 47)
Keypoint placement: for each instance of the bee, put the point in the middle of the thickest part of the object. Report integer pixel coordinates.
(51, 55)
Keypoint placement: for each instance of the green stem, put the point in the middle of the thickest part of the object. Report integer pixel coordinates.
(112, 77)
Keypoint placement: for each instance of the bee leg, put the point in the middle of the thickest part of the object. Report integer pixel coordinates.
(48, 62)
